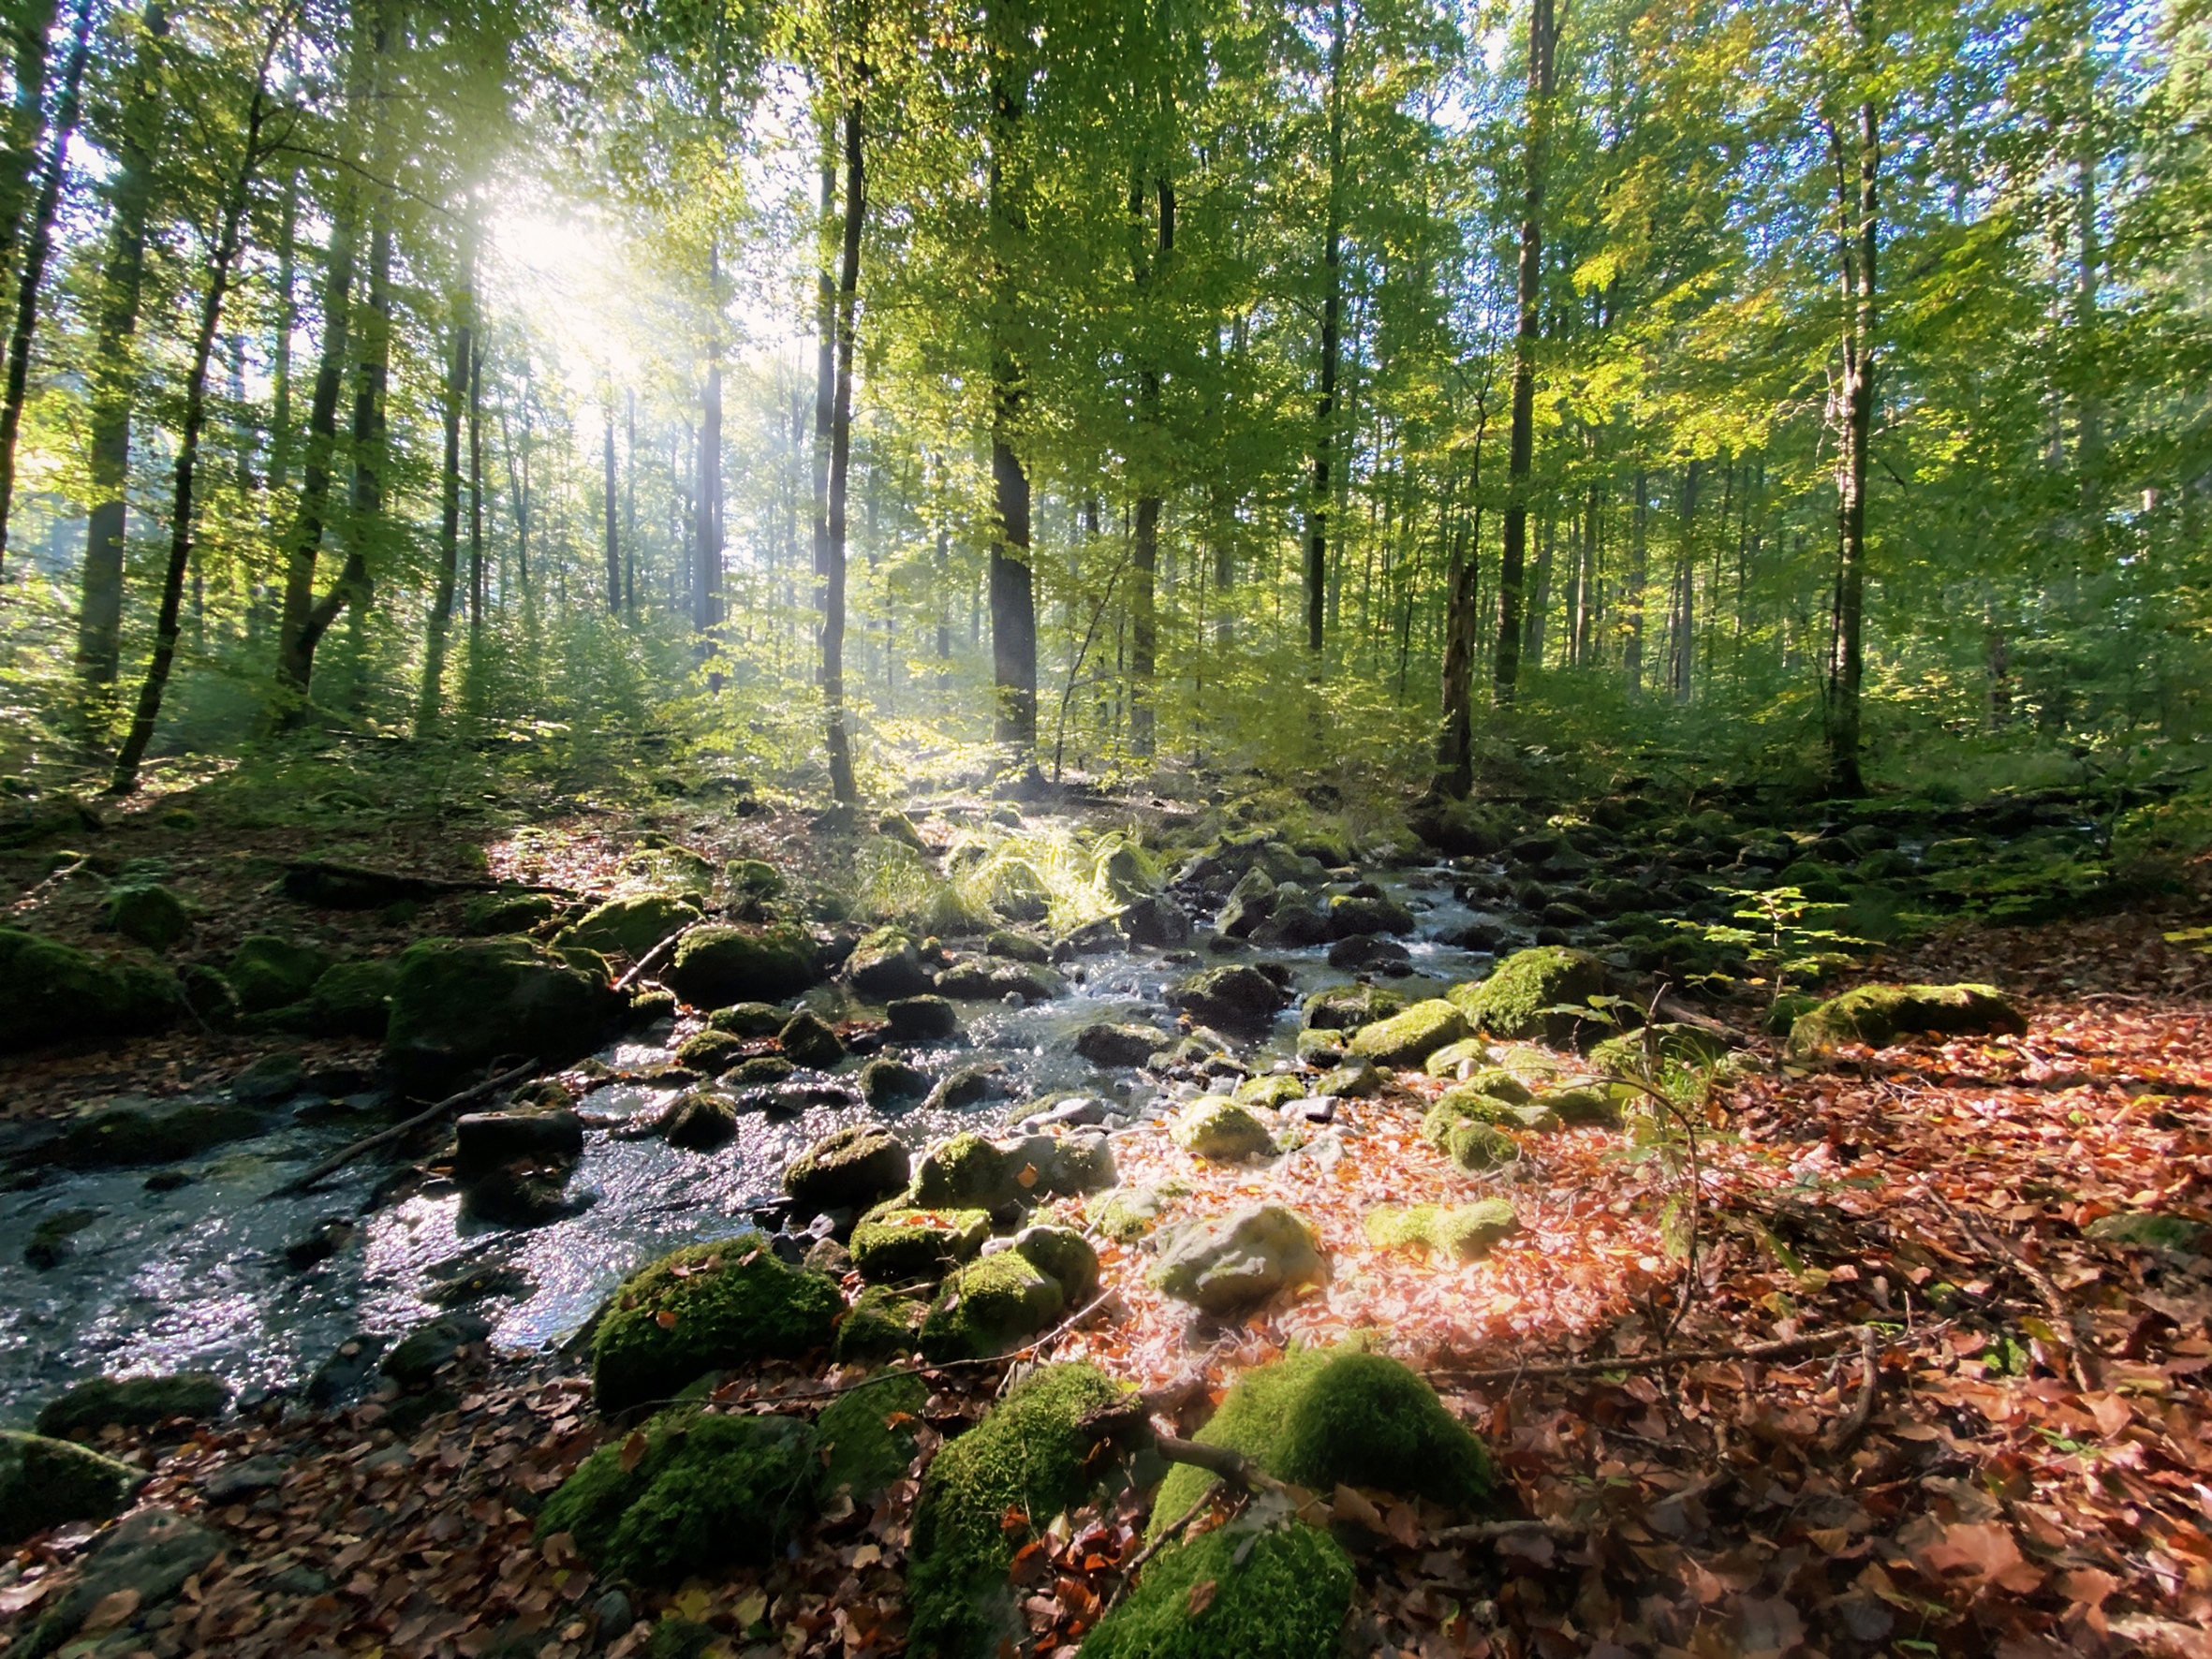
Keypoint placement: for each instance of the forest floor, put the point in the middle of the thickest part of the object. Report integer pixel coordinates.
(2024, 1470)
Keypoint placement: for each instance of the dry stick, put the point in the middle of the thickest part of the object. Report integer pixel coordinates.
(1848, 1432)
(338, 1160)
(2088, 1374)
(1583, 1368)
(649, 959)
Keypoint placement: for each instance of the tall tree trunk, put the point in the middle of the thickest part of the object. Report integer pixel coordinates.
(825, 361)
(100, 617)
(1013, 593)
(1857, 158)
(629, 515)
(476, 487)
(29, 24)
(280, 366)
(365, 522)
(1682, 617)
(1521, 456)
(706, 570)
(230, 242)
(2089, 409)
(614, 540)
(37, 248)
(1316, 511)
(1639, 578)
(448, 531)
(1538, 615)
(832, 641)
(1144, 548)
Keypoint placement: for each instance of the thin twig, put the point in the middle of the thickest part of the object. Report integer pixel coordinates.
(1583, 1368)
(650, 957)
(338, 1160)
(1482, 1532)
(1848, 1432)
(2088, 1373)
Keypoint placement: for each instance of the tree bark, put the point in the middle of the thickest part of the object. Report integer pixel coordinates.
(37, 248)
(230, 242)
(1316, 511)
(99, 616)
(448, 538)
(832, 641)
(475, 488)
(1145, 547)
(1513, 560)
(706, 570)
(1013, 595)
(614, 540)
(1682, 612)
(1857, 158)
(28, 27)
(1639, 578)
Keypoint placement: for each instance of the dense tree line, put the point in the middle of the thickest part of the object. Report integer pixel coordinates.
(1807, 382)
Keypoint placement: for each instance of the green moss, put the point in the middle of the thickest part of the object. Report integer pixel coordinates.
(1347, 1007)
(989, 1306)
(698, 1121)
(506, 913)
(351, 999)
(1470, 1105)
(56, 991)
(848, 1168)
(2147, 1230)
(1064, 1255)
(1127, 1213)
(891, 1242)
(1332, 1416)
(710, 1052)
(880, 1324)
(1513, 1000)
(1215, 1127)
(1581, 1104)
(807, 1039)
(1476, 1147)
(709, 1491)
(1879, 1015)
(1280, 1592)
(45, 1482)
(1271, 1090)
(718, 965)
(129, 1135)
(748, 1019)
(966, 1172)
(460, 1003)
(1409, 1038)
(1676, 1045)
(864, 1452)
(733, 1302)
(268, 973)
(1459, 1232)
(1029, 1456)
(136, 1402)
(628, 927)
(148, 913)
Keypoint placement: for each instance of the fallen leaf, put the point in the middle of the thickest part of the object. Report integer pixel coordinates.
(1201, 1596)
(1347, 1504)
(666, 1319)
(633, 1451)
(110, 1610)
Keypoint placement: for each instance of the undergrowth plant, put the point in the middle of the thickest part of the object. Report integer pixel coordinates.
(1786, 937)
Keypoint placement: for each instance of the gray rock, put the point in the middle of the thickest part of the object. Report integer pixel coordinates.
(1111, 1044)
(150, 1554)
(1237, 997)
(849, 1169)
(236, 1481)
(429, 1349)
(483, 1142)
(347, 1372)
(1158, 921)
(1237, 1260)
(269, 1079)
(923, 1020)
(616, 1617)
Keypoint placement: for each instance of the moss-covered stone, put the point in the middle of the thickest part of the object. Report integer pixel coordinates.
(966, 1172)
(989, 1306)
(628, 927)
(1470, 1105)
(750, 1020)
(1348, 1007)
(1513, 1000)
(1330, 1416)
(1457, 1232)
(268, 973)
(1215, 1127)
(2147, 1230)
(506, 913)
(754, 877)
(45, 1482)
(893, 1243)
(457, 1005)
(1351, 914)
(1237, 998)
(888, 1080)
(849, 1169)
(350, 999)
(887, 964)
(710, 1491)
(1232, 1262)
(1585, 1105)
(1269, 1092)
(1354, 1080)
(1065, 1255)
(1030, 1457)
(698, 1121)
(711, 1052)
(865, 1436)
(129, 1135)
(921, 1019)
(1409, 1038)
(1476, 1146)
(148, 913)
(1279, 1591)
(56, 991)
(880, 1324)
(807, 1041)
(134, 1402)
(1111, 1044)
(727, 1303)
(1879, 1015)
(1127, 1213)
(716, 965)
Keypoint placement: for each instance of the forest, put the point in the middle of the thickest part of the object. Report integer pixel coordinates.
(1164, 830)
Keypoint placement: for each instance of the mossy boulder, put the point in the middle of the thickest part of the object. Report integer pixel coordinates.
(130, 1135)
(921, 1019)
(487, 914)
(1031, 1457)
(880, 1324)
(1471, 1105)
(1409, 1038)
(1234, 1261)
(1127, 1213)
(886, 965)
(1456, 1232)
(1278, 1590)
(849, 1169)
(698, 1121)
(887, 1080)
(45, 1482)
(148, 913)
(1066, 1255)
(748, 1021)
(1348, 1007)
(1579, 1106)
(1269, 1092)
(710, 1053)
(716, 965)
(1514, 1002)
(989, 1306)
(708, 1493)
(1351, 914)
(628, 927)
(1237, 998)
(1354, 1080)
(1331, 1417)
(893, 1244)
(2147, 1230)
(1476, 1147)
(807, 1039)
(56, 991)
(706, 1307)
(1109, 1044)
(865, 1436)
(349, 999)
(1879, 1015)
(134, 1402)
(1215, 1127)
(460, 1003)
(268, 973)
(966, 1172)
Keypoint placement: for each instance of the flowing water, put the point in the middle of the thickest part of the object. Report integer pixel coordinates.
(195, 1277)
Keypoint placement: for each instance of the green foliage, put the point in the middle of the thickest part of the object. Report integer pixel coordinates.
(1786, 937)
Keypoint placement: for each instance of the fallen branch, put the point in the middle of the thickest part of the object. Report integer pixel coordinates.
(1231, 1467)
(338, 1160)
(650, 957)
(2088, 1372)
(1848, 1432)
(1486, 1532)
(1793, 1348)
(1173, 1530)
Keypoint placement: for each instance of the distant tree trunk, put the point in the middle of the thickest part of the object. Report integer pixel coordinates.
(849, 283)
(288, 317)
(1540, 599)
(1144, 548)
(1856, 155)
(100, 617)
(1512, 561)
(1316, 511)
(448, 536)
(1682, 618)
(1013, 593)
(365, 525)
(1455, 742)
(2089, 410)
(476, 489)
(37, 249)
(1639, 578)
(614, 540)
(229, 242)
(825, 363)
(629, 514)
(29, 24)
(706, 570)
